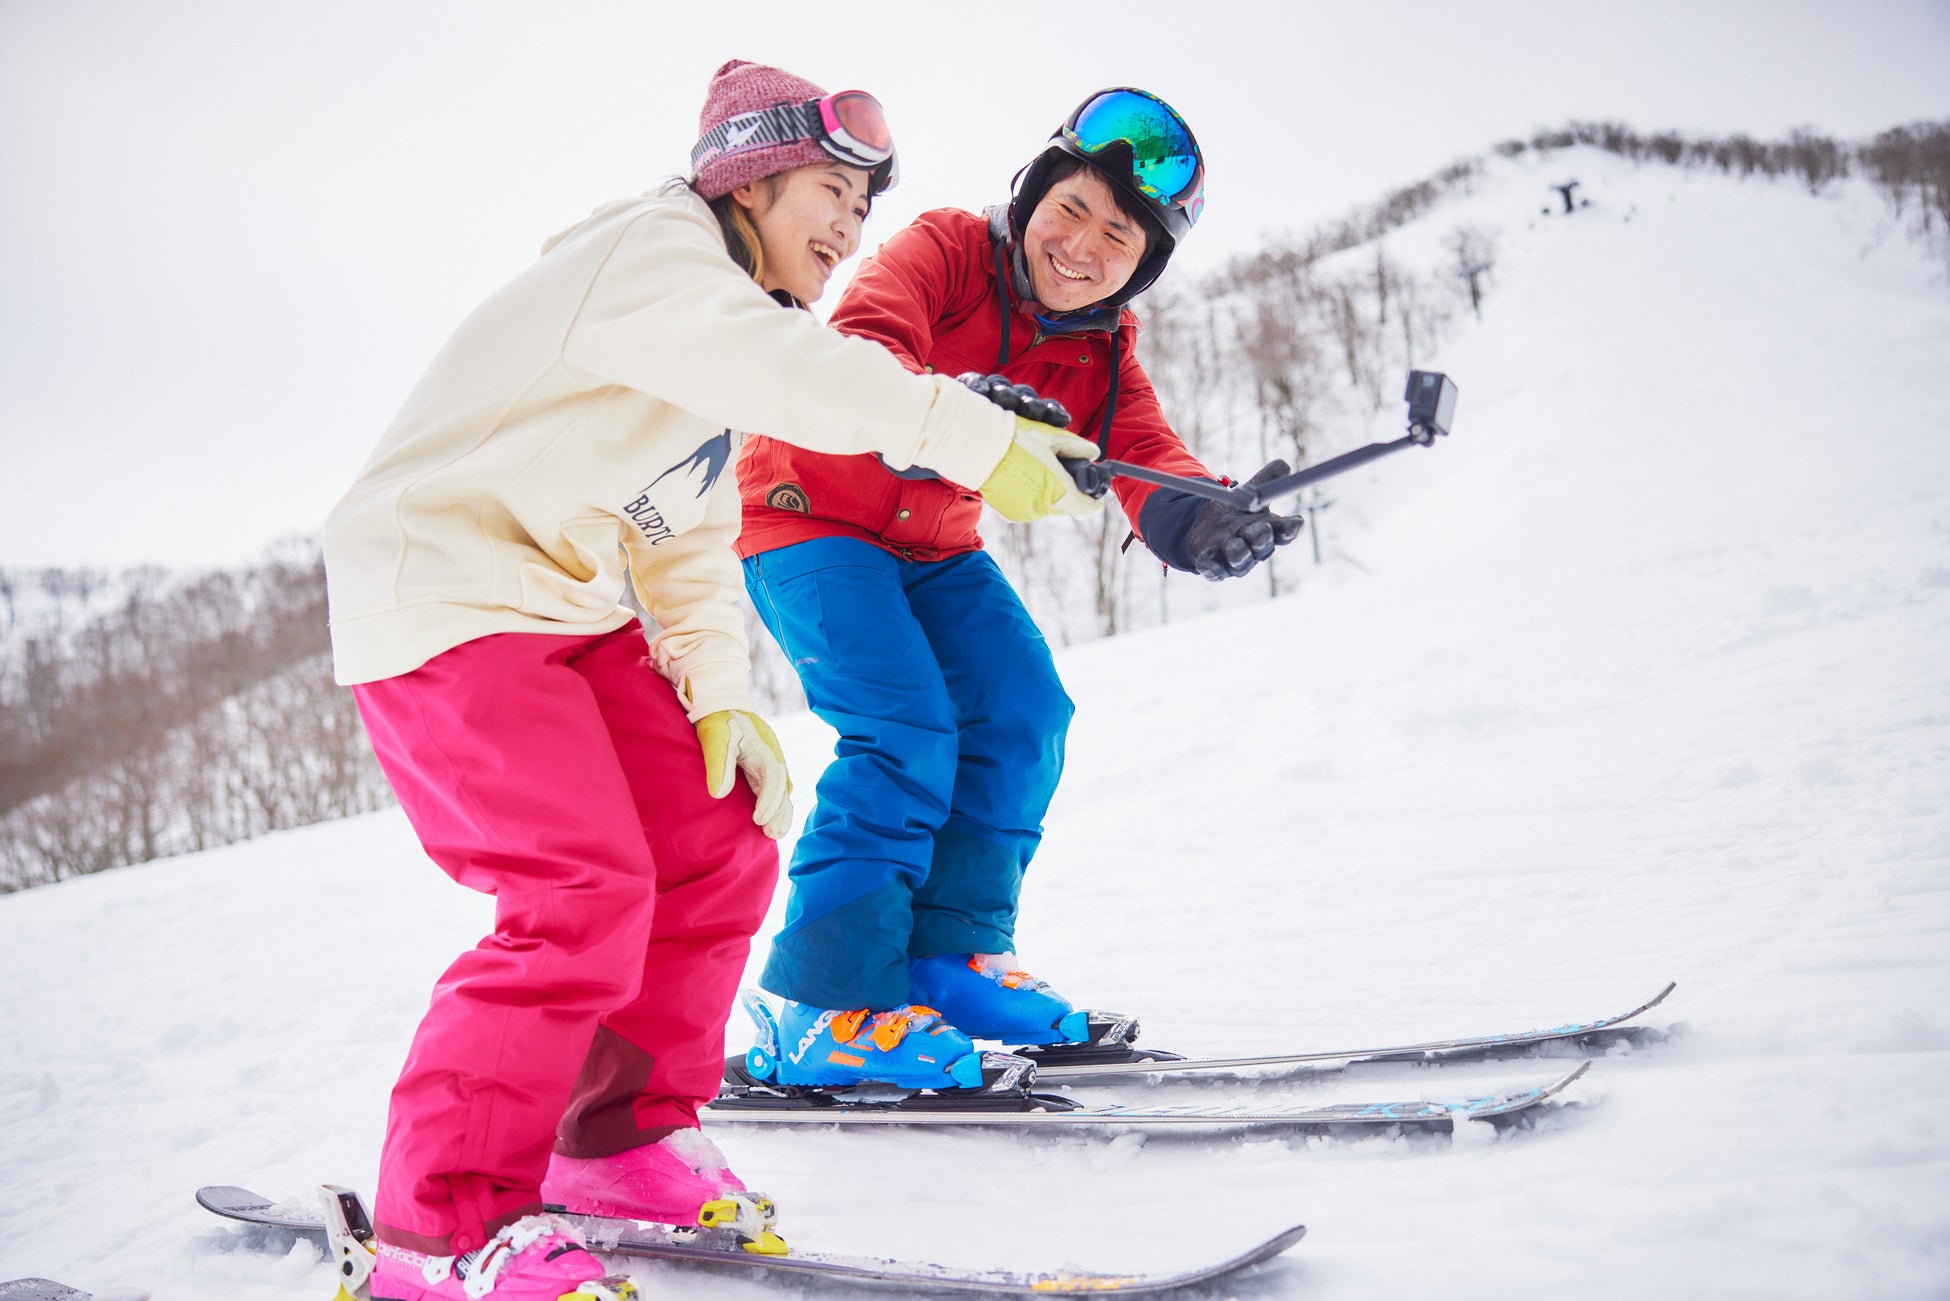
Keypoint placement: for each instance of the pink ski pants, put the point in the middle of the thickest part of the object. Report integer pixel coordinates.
(560, 775)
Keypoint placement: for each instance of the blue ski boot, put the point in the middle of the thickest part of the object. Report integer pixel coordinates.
(910, 1047)
(986, 996)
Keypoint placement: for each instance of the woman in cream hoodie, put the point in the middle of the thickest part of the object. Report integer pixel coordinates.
(573, 435)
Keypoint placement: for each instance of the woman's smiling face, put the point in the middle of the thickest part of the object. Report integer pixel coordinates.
(808, 222)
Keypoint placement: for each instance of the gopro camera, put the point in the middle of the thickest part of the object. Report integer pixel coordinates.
(1431, 400)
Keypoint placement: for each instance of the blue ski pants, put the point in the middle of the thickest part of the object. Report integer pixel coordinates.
(951, 722)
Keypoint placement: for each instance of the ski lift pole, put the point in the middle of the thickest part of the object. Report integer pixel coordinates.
(1315, 504)
(1431, 398)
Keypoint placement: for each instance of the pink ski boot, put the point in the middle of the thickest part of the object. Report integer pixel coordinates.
(680, 1179)
(537, 1258)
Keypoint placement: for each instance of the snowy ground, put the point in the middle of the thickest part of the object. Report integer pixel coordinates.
(1644, 675)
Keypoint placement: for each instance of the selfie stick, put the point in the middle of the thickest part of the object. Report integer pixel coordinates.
(1431, 398)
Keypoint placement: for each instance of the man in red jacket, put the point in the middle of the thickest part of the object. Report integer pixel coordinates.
(910, 642)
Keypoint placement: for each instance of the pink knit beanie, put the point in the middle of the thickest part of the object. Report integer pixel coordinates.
(741, 87)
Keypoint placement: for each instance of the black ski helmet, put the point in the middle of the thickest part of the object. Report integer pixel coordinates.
(1142, 147)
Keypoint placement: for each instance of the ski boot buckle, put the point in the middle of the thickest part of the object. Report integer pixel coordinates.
(602, 1289)
(750, 1216)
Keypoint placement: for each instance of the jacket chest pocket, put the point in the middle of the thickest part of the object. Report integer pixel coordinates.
(931, 515)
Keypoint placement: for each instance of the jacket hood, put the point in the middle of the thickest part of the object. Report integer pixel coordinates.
(606, 211)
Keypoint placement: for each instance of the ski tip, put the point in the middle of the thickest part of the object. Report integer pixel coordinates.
(1250, 1258)
(241, 1204)
(224, 1197)
(1265, 1251)
(1567, 1080)
(1509, 1104)
(46, 1289)
(1642, 1007)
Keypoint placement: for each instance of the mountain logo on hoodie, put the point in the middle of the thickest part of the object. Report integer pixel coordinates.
(674, 501)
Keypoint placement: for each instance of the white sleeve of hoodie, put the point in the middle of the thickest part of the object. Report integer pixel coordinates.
(670, 315)
(691, 585)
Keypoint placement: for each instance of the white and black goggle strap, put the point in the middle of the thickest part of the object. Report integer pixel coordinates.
(777, 125)
(780, 124)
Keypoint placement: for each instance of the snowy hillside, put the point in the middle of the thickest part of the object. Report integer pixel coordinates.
(1643, 675)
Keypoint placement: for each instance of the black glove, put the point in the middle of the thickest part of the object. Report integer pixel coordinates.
(1019, 398)
(1227, 542)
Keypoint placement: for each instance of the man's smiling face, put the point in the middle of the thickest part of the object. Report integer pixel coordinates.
(1079, 245)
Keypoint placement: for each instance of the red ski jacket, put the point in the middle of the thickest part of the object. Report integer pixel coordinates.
(933, 295)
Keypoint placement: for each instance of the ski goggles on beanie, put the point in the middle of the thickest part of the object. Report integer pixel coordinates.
(849, 125)
(1166, 164)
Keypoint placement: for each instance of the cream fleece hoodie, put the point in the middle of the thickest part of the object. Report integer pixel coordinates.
(587, 412)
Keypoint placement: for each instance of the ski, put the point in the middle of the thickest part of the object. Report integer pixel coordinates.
(1112, 1050)
(720, 1249)
(46, 1289)
(758, 1102)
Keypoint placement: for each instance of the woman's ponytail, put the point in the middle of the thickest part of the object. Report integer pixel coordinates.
(740, 236)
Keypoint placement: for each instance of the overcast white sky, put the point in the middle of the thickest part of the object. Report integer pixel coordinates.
(231, 234)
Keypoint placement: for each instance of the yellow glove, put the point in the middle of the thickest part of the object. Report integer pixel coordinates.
(1031, 482)
(735, 741)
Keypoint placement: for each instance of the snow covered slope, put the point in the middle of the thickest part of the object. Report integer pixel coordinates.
(1644, 675)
